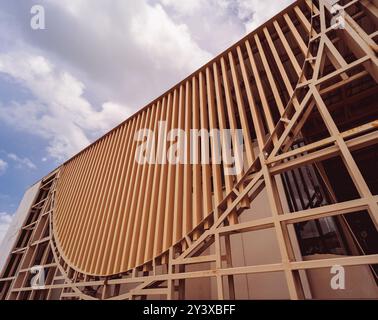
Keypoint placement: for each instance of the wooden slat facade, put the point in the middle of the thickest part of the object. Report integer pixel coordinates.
(100, 230)
(103, 221)
(87, 212)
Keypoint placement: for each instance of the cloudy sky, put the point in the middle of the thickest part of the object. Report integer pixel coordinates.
(96, 63)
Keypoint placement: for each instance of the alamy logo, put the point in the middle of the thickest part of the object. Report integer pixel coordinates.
(197, 146)
(338, 280)
(338, 15)
(37, 21)
(38, 281)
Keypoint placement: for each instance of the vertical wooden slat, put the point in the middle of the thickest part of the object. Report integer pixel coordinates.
(297, 37)
(179, 174)
(197, 182)
(232, 122)
(259, 129)
(269, 74)
(242, 111)
(278, 62)
(156, 248)
(147, 239)
(221, 111)
(206, 171)
(188, 174)
(169, 208)
(215, 142)
(230, 109)
(260, 89)
(287, 48)
(305, 23)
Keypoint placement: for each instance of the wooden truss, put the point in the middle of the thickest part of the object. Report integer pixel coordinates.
(325, 70)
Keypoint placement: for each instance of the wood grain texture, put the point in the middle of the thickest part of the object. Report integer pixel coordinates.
(113, 214)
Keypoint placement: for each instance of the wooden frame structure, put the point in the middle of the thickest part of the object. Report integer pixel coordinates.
(104, 227)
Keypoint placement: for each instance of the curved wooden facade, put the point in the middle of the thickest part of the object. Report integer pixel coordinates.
(113, 214)
(302, 91)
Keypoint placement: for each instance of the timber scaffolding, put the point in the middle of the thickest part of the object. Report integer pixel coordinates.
(291, 82)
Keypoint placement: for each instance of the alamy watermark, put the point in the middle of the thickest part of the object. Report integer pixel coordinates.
(338, 280)
(38, 281)
(338, 15)
(38, 21)
(195, 146)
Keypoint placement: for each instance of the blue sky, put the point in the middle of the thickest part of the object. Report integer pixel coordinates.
(95, 64)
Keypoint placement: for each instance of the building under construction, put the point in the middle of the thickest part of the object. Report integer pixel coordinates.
(304, 206)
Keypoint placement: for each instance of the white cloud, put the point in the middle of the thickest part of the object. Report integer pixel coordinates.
(92, 67)
(3, 166)
(59, 111)
(255, 12)
(184, 6)
(22, 162)
(97, 63)
(212, 23)
(166, 41)
(250, 13)
(5, 221)
(127, 51)
(217, 24)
